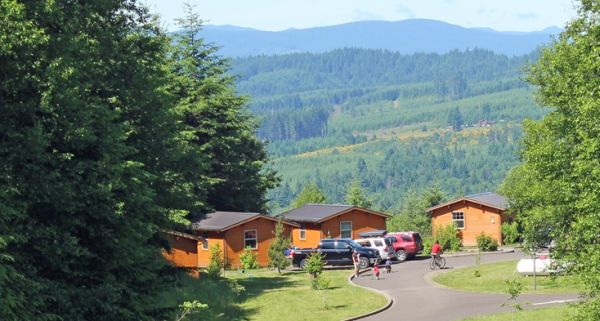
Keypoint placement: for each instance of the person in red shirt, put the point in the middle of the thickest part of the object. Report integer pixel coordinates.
(436, 249)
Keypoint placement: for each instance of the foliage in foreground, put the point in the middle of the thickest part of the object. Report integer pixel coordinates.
(111, 133)
(510, 232)
(557, 188)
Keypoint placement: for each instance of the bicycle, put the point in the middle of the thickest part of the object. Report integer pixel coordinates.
(437, 261)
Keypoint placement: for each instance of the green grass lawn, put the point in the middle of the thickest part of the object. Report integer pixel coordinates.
(547, 314)
(268, 296)
(493, 276)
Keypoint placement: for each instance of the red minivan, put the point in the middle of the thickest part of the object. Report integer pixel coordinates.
(406, 244)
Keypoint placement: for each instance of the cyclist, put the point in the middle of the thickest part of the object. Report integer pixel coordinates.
(436, 250)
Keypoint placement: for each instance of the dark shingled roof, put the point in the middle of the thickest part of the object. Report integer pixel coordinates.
(490, 199)
(219, 221)
(181, 234)
(313, 213)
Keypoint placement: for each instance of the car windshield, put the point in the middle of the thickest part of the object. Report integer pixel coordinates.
(354, 244)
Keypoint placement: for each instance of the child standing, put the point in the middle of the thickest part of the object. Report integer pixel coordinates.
(388, 266)
(376, 271)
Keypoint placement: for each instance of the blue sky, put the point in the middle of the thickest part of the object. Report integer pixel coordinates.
(503, 15)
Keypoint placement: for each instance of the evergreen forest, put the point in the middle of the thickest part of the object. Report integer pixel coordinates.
(396, 123)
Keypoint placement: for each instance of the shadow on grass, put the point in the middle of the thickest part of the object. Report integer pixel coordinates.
(257, 285)
(222, 297)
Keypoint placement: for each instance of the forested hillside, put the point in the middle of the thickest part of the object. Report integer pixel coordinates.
(395, 122)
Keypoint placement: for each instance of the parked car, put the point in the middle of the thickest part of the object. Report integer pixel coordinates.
(381, 244)
(338, 252)
(406, 244)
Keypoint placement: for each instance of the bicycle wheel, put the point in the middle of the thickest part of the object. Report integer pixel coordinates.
(432, 264)
(442, 262)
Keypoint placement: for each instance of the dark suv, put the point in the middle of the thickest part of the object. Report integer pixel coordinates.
(406, 244)
(338, 252)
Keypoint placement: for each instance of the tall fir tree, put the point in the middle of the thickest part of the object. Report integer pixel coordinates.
(84, 130)
(218, 122)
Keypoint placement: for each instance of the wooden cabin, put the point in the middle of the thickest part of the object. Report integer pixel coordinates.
(233, 232)
(471, 215)
(319, 221)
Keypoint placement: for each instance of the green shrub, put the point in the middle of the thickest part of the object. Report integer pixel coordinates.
(248, 259)
(427, 244)
(216, 262)
(510, 232)
(315, 264)
(486, 242)
(448, 238)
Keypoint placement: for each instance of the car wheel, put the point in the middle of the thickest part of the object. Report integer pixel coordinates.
(401, 255)
(363, 263)
(303, 264)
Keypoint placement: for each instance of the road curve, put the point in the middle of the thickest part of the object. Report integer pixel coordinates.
(416, 298)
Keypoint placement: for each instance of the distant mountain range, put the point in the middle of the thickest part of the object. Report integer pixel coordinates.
(406, 36)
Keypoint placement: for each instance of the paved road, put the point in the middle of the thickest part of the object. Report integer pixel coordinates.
(416, 298)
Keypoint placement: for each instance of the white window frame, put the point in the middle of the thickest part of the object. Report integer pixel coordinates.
(454, 220)
(342, 230)
(302, 230)
(255, 239)
(205, 241)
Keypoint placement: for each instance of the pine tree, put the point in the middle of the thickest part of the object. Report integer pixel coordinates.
(85, 122)
(311, 194)
(218, 122)
(276, 249)
(355, 196)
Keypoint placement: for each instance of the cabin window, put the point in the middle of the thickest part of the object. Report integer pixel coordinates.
(458, 218)
(346, 229)
(302, 231)
(205, 241)
(250, 239)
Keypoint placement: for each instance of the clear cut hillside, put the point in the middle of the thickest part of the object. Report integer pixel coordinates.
(395, 122)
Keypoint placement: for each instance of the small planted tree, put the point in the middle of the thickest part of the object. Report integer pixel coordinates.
(321, 284)
(277, 257)
(248, 259)
(216, 262)
(477, 271)
(514, 289)
(315, 264)
(314, 267)
(189, 308)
